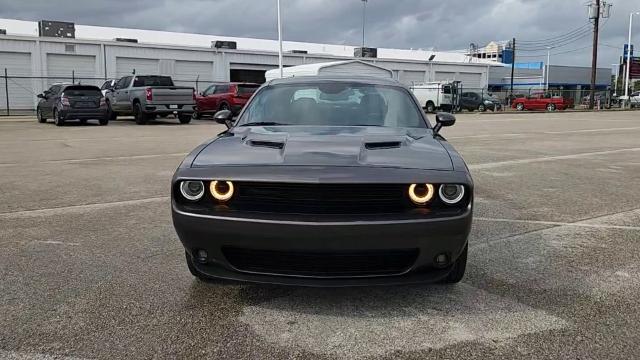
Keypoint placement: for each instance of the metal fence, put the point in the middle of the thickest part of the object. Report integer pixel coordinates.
(18, 93)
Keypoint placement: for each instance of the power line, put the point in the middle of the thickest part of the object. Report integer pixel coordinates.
(578, 30)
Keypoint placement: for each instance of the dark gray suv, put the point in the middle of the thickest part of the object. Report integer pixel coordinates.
(65, 101)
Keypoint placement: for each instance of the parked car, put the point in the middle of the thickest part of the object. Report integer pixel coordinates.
(474, 101)
(65, 101)
(541, 102)
(326, 181)
(433, 96)
(108, 86)
(600, 97)
(634, 99)
(223, 96)
(148, 96)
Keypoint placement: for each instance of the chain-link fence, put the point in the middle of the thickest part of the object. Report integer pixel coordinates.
(18, 93)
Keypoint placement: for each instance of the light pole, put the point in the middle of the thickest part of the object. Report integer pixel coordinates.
(364, 13)
(626, 76)
(548, 66)
(615, 79)
(280, 41)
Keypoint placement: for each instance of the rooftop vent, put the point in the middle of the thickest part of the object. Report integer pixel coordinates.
(135, 41)
(224, 44)
(365, 52)
(60, 29)
(299, 52)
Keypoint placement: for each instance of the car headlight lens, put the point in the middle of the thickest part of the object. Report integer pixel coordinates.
(192, 190)
(221, 190)
(420, 194)
(451, 193)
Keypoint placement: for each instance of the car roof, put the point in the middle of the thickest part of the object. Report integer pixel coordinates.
(369, 80)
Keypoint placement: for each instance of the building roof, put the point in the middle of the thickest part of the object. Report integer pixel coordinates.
(30, 28)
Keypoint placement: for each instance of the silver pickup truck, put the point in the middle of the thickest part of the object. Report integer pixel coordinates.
(148, 96)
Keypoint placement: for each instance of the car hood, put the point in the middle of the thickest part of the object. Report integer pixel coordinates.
(327, 146)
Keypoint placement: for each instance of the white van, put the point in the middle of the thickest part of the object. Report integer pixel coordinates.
(440, 95)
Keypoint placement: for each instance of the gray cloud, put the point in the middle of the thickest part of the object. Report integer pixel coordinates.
(445, 25)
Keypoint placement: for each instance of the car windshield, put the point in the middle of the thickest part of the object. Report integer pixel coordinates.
(333, 104)
(82, 91)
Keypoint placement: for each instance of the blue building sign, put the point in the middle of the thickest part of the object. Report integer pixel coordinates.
(626, 50)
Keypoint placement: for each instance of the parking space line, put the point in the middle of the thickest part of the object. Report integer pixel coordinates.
(72, 161)
(492, 165)
(508, 135)
(558, 223)
(84, 207)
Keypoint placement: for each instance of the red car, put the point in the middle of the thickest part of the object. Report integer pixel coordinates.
(223, 96)
(541, 102)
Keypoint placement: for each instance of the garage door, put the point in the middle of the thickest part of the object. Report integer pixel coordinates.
(445, 76)
(411, 77)
(66, 68)
(125, 66)
(186, 72)
(21, 93)
(470, 80)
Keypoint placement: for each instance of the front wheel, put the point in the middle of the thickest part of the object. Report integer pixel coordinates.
(459, 267)
(111, 115)
(520, 106)
(58, 119)
(184, 118)
(430, 108)
(482, 108)
(551, 107)
(103, 121)
(41, 118)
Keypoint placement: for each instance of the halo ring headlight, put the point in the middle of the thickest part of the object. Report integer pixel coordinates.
(192, 190)
(421, 199)
(452, 198)
(219, 192)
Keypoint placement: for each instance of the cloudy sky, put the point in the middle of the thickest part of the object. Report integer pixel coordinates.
(439, 24)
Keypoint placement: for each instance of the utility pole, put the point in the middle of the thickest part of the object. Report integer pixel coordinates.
(280, 40)
(364, 17)
(513, 65)
(594, 56)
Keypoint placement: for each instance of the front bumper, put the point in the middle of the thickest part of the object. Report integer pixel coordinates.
(429, 236)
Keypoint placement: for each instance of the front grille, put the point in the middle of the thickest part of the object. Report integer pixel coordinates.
(321, 199)
(322, 264)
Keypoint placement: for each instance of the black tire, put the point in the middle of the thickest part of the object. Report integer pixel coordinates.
(192, 268)
(551, 107)
(430, 107)
(459, 267)
(57, 118)
(111, 115)
(224, 106)
(184, 118)
(103, 121)
(196, 115)
(482, 108)
(520, 107)
(41, 118)
(83, 121)
(139, 115)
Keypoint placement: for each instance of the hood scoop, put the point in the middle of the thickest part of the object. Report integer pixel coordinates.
(267, 144)
(378, 145)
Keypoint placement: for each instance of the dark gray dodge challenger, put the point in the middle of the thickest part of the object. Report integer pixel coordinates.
(326, 182)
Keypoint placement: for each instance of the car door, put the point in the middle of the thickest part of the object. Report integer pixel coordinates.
(52, 96)
(219, 95)
(122, 95)
(207, 102)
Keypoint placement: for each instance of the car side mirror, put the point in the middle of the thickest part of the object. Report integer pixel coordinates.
(224, 117)
(41, 96)
(443, 119)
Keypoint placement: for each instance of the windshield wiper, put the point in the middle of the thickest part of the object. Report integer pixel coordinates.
(263, 123)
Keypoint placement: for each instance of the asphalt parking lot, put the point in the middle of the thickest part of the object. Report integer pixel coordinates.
(91, 266)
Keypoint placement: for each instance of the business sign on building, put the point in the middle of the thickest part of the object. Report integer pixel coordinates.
(626, 51)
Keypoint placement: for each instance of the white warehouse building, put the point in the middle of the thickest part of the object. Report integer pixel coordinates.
(32, 62)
